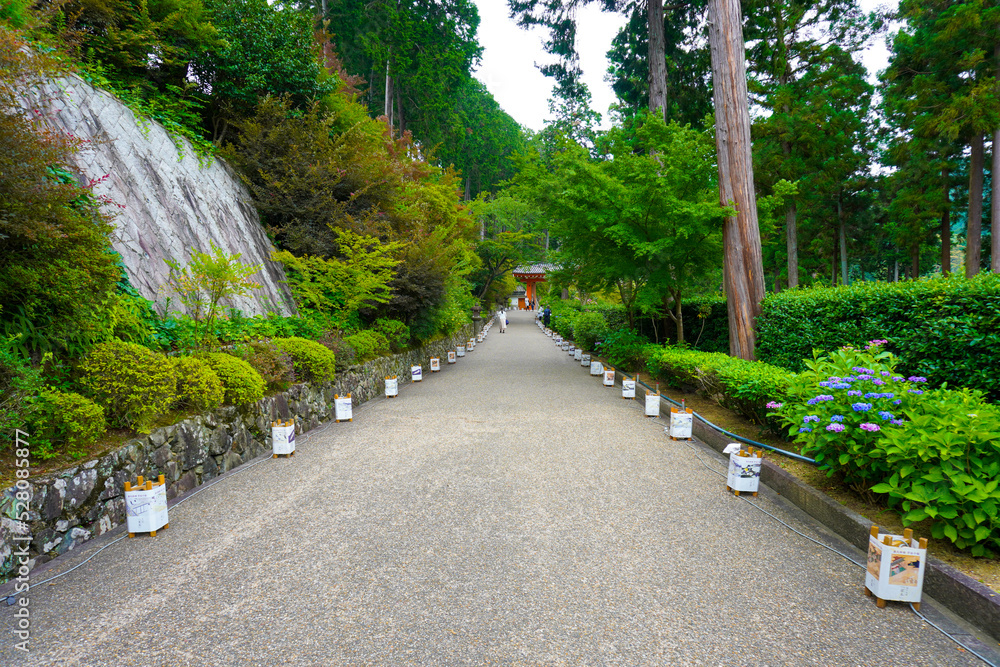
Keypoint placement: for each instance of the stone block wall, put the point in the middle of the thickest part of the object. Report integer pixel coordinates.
(74, 505)
(172, 202)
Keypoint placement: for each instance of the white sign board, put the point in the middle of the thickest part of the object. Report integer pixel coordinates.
(416, 373)
(451, 356)
(681, 423)
(435, 364)
(391, 387)
(283, 439)
(584, 359)
(896, 570)
(652, 405)
(146, 510)
(744, 473)
(460, 351)
(578, 354)
(596, 368)
(628, 388)
(342, 408)
(609, 378)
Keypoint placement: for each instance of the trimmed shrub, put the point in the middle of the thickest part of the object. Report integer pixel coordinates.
(588, 329)
(344, 353)
(198, 386)
(242, 383)
(275, 366)
(944, 329)
(625, 348)
(935, 453)
(368, 344)
(63, 420)
(313, 362)
(134, 384)
(397, 333)
(742, 386)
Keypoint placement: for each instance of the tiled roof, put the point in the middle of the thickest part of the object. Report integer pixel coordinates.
(535, 268)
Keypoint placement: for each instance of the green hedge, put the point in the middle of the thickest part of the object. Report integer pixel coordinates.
(743, 386)
(944, 329)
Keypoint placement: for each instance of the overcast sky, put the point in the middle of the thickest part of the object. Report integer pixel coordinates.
(510, 54)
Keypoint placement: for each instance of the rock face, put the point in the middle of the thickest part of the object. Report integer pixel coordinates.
(67, 508)
(172, 203)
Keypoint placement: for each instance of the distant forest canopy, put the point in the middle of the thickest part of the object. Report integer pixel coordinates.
(887, 179)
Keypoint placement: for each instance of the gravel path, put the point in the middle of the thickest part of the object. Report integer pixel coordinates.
(508, 510)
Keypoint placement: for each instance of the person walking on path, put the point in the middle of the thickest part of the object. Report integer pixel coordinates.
(502, 320)
(546, 315)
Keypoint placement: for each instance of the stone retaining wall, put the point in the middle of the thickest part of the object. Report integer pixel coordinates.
(70, 507)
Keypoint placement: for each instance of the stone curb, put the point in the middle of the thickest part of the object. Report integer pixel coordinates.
(965, 597)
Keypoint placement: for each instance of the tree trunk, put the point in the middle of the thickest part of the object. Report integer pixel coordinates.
(388, 95)
(845, 277)
(657, 56)
(743, 265)
(792, 244)
(974, 230)
(468, 191)
(679, 318)
(995, 199)
(995, 183)
(915, 261)
(895, 271)
(946, 227)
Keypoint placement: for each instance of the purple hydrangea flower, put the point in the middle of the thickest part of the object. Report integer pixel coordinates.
(898, 378)
(840, 385)
(885, 374)
(868, 426)
(854, 392)
(824, 383)
(837, 418)
(810, 418)
(916, 378)
(805, 429)
(897, 422)
(836, 428)
(774, 405)
(861, 407)
(811, 401)
(898, 401)
(834, 378)
(916, 391)
(877, 381)
(824, 397)
(872, 394)
(865, 376)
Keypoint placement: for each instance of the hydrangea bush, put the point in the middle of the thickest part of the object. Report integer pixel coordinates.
(935, 453)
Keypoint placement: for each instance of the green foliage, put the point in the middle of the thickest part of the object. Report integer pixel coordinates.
(935, 453)
(944, 329)
(343, 351)
(342, 286)
(198, 386)
(625, 348)
(314, 362)
(242, 383)
(63, 421)
(589, 329)
(265, 50)
(206, 280)
(368, 345)
(134, 384)
(945, 462)
(19, 380)
(274, 365)
(742, 386)
(56, 276)
(397, 333)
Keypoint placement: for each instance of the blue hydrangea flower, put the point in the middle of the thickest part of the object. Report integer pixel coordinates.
(916, 391)
(810, 418)
(837, 418)
(897, 422)
(898, 401)
(885, 415)
(805, 429)
(840, 385)
(854, 392)
(861, 407)
(824, 383)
